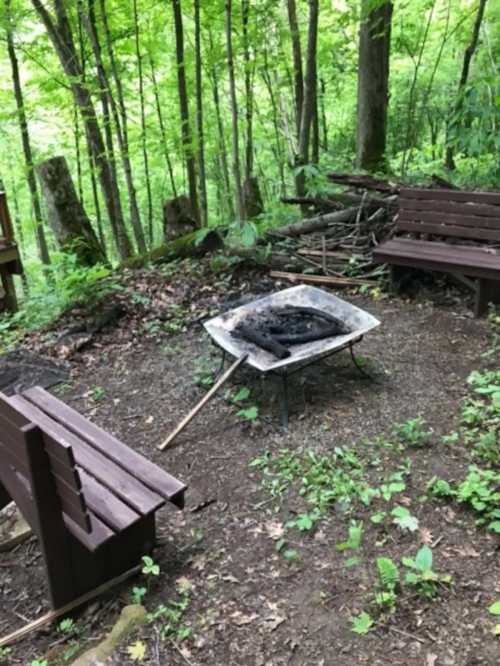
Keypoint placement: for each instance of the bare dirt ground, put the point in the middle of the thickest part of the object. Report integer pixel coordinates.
(247, 603)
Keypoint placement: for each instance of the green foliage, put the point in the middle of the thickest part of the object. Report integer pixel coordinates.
(150, 568)
(170, 618)
(481, 416)
(388, 575)
(403, 519)
(412, 432)
(421, 575)
(137, 595)
(362, 623)
(249, 414)
(4, 653)
(354, 539)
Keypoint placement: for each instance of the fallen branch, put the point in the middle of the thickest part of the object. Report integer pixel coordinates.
(64, 610)
(363, 182)
(316, 223)
(322, 279)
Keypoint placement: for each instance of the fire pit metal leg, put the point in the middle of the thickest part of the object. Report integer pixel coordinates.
(284, 400)
(356, 363)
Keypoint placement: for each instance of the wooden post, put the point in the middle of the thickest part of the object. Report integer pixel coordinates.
(9, 289)
(51, 530)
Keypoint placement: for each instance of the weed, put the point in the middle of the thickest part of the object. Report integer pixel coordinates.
(171, 616)
(353, 543)
(403, 519)
(388, 576)
(4, 653)
(481, 416)
(362, 623)
(421, 576)
(150, 567)
(413, 432)
(203, 372)
(96, 393)
(137, 595)
(249, 414)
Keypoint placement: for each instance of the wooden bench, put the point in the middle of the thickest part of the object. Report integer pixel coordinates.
(10, 260)
(447, 214)
(89, 498)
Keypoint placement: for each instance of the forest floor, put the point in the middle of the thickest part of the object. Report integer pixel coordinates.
(238, 584)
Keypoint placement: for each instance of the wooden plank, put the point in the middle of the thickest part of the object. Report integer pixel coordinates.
(5, 221)
(73, 505)
(450, 218)
(11, 413)
(64, 472)
(19, 493)
(111, 510)
(449, 230)
(120, 482)
(469, 254)
(9, 254)
(15, 449)
(401, 255)
(457, 208)
(491, 198)
(148, 473)
(321, 279)
(99, 532)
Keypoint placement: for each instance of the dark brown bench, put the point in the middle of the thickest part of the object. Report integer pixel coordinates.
(450, 214)
(89, 498)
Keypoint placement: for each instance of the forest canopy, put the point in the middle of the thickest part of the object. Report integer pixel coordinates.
(228, 105)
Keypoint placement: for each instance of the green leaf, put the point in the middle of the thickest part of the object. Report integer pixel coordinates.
(423, 560)
(494, 609)
(362, 623)
(388, 572)
(404, 519)
(249, 414)
(242, 394)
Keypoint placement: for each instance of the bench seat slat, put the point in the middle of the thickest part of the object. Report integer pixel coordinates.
(109, 508)
(98, 536)
(147, 472)
(439, 256)
(105, 470)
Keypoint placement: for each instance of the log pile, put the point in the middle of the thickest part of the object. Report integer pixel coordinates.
(334, 245)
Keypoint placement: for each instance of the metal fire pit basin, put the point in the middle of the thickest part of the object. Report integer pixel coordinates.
(360, 322)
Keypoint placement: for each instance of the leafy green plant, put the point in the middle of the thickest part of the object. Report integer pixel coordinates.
(4, 653)
(353, 543)
(362, 623)
(249, 414)
(150, 568)
(305, 521)
(421, 576)
(203, 372)
(137, 595)
(413, 432)
(388, 575)
(404, 519)
(170, 617)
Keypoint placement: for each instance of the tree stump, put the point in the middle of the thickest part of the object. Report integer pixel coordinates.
(67, 217)
(252, 199)
(179, 218)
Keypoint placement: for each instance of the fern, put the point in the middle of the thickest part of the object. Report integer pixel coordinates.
(388, 573)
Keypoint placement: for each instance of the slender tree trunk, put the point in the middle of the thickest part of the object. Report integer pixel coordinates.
(373, 84)
(161, 123)
(323, 114)
(199, 117)
(145, 159)
(224, 162)
(76, 135)
(298, 77)
(234, 111)
(249, 73)
(280, 159)
(95, 197)
(120, 120)
(308, 103)
(25, 138)
(469, 53)
(62, 40)
(184, 109)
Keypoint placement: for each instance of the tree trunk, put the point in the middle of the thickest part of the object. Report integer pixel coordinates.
(298, 77)
(184, 109)
(25, 138)
(199, 116)
(309, 100)
(234, 111)
(222, 138)
(62, 39)
(67, 217)
(108, 101)
(373, 84)
(161, 123)
(145, 159)
(469, 53)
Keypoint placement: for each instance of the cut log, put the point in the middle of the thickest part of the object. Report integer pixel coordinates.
(317, 223)
(67, 217)
(179, 217)
(322, 279)
(364, 182)
(179, 248)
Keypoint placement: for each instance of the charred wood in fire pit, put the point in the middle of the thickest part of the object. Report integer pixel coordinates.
(262, 340)
(309, 336)
(341, 325)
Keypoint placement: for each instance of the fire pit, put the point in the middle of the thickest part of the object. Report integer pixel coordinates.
(292, 318)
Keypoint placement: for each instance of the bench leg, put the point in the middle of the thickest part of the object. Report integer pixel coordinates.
(487, 291)
(4, 497)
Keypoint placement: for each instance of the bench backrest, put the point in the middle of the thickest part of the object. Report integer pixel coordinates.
(18, 436)
(467, 215)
